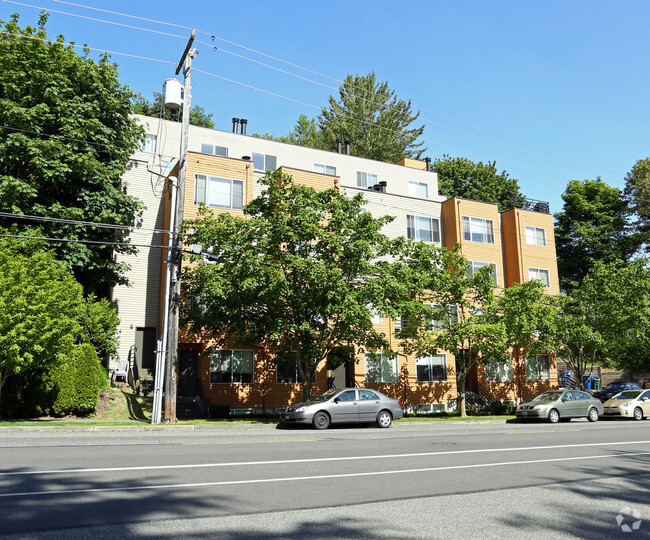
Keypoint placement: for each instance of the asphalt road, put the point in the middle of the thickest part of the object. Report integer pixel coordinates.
(415, 480)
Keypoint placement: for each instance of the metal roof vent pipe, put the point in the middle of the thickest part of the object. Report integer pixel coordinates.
(243, 123)
(427, 160)
(235, 125)
(338, 145)
(347, 147)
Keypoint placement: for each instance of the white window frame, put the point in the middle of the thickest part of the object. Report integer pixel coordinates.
(476, 265)
(418, 189)
(479, 230)
(438, 325)
(541, 372)
(414, 230)
(535, 236)
(269, 162)
(214, 150)
(203, 190)
(325, 169)
(388, 361)
(535, 273)
(430, 362)
(366, 179)
(232, 361)
(150, 143)
(498, 371)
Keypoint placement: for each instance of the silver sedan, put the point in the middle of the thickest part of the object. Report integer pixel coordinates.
(349, 405)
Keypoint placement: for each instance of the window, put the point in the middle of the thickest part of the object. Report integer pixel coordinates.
(419, 189)
(287, 371)
(367, 395)
(541, 274)
(214, 150)
(478, 230)
(264, 162)
(219, 192)
(230, 366)
(422, 228)
(498, 371)
(381, 368)
(538, 368)
(365, 179)
(149, 144)
(535, 236)
(475, 265)
(438, 325)
(325, 169)
(348, 395)
(431, 368)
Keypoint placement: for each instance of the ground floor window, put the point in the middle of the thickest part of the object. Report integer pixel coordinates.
(231, 366)
(381, 368)
(431, 368)
(286, 371)
(538, 368)
(498, 371)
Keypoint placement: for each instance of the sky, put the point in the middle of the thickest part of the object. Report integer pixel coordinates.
(551, 90)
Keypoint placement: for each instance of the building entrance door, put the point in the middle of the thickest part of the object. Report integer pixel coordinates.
(188, 382)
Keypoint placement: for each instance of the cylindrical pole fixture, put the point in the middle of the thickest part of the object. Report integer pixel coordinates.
(171, 366)
(235, 125)
(347, 147)
(243, 123)
(338, 145)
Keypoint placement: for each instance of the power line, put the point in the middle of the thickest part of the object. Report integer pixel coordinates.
(130, 228)
(78, 241)
(95, 20)
(213, 36)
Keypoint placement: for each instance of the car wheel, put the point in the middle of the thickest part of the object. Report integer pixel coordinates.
(593, 415)
(638, 414)
(321, 420)
(553, 416)
(384, 419)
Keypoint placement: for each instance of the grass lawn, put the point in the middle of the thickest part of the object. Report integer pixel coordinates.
(120, 406)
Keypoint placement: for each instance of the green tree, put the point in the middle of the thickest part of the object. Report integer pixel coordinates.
(369, 115)
(460, 177)
(637, 193)
(593, 226)
(468, 323)
(303, 272)
(44, 316)
(155, 108)
(67, 137)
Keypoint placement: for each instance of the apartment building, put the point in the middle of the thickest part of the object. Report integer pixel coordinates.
(222, 172)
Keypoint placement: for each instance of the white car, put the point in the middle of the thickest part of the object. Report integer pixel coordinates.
(629, 403)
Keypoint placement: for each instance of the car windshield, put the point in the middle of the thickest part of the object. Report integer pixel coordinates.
(548, 396)
(325, 395)
(628, 394)
(616, 386)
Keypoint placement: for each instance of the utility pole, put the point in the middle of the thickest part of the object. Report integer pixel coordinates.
(171, 363)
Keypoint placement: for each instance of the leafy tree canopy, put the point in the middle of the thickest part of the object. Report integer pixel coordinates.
(67, 137)
(461, 177)
(43, 313)
(606, 318)
(369, 115)
(303, 272)
(593, 226)
(637, 193)
(155, 108)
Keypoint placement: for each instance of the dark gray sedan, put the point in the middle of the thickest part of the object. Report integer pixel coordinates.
(346, 406)
(559, 405)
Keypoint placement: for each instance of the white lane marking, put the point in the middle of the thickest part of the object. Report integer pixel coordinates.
(319, 460)
(318, 477)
